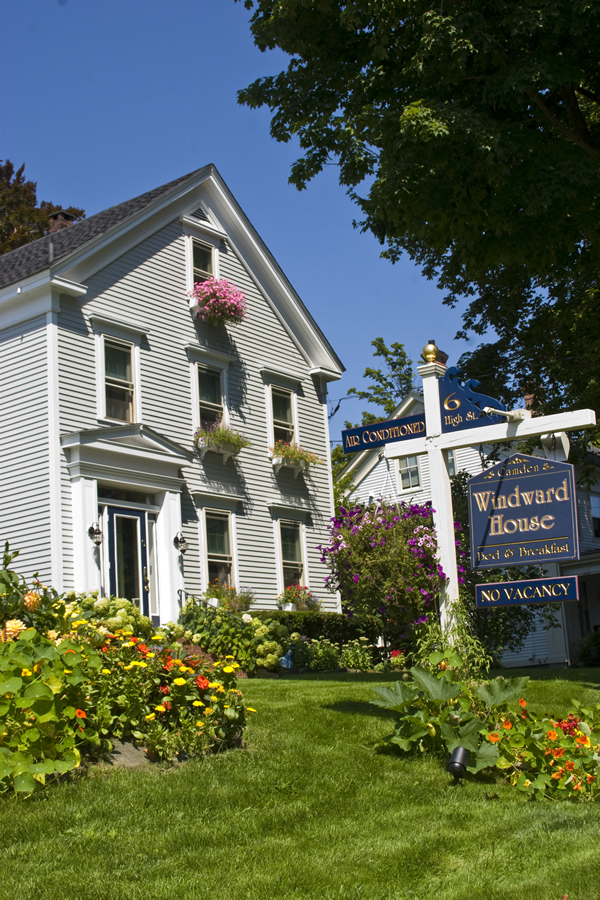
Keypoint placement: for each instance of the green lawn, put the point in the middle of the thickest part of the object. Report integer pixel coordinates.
(307, 811)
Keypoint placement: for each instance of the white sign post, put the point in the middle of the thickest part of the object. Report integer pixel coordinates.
(519, 426)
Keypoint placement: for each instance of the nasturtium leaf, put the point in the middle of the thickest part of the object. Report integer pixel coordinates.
(31, 735)
(501, 690)
(4, 707)
(11, 686)
(24, 783)
(37, 691)
(396, 698)
(486, 757)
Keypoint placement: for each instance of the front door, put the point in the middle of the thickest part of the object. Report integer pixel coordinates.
(128, 556)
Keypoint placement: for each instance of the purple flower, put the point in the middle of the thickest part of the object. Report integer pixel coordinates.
(356, 579)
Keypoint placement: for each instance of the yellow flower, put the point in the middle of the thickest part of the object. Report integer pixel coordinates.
(127, 668)
(197, 703)
(180, 681)
(106, 671)
(199, 724)
(230, 657)
(127, 644)
(142, 665)
(228, 669)
(156, 637)
(214, 698)
(214, 684)
(185, 669)
(150, 655)
(160, 709)
(67, 671)
(208, 711)
(150, 716)
(25, 673)
(221, 689)
(249, 709)
(226, 706)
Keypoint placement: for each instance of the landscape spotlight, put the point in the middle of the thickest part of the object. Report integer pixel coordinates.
(458, 762)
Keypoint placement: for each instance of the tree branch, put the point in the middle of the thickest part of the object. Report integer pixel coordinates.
(564, 129)
(589, 95)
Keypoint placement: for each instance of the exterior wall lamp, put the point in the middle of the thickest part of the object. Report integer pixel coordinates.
(180, 542)
(95, 534)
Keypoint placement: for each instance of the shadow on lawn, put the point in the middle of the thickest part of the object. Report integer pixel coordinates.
(361, 708)
(345, 677)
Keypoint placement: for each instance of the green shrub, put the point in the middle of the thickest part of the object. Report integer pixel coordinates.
(114, 613)
(541, 756)
(357, 655)
(45, 709)
(337, 627)
(589, 650)
(322, 655)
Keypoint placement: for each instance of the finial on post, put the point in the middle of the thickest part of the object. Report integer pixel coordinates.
(430, 352)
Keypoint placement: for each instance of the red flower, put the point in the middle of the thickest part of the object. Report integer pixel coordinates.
(397, 653)
(165, 690)
(522, 703)
(166, 705)
(134, 639)
(142, 648)
(201, 682)
(80, 714)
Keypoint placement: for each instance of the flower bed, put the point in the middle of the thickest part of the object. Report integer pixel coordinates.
(216, 300)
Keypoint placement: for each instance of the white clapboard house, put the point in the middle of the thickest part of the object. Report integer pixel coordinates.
(104, 376)
(407, 479)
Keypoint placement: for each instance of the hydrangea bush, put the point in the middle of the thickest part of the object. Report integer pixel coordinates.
(216, 300)
(383, 561)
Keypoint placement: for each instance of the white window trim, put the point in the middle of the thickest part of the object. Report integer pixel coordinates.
(409, 490)
(269, 405)
(215, 365)
(279, 551)
(204, 544)
(100, 378)
(201, 238)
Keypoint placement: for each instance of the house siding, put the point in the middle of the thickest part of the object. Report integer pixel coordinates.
(24, 448)
(148, 285)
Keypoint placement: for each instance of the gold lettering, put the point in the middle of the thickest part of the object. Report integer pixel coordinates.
(549, 493)
(549, 519)
(527, 497)
(540, 497)
(565, 496)
(499, 503)
(546, 590)
(534, 523)
(513, 526)
(525, 594)
(496, 525)
(523, 525)
(513, 499)
(483, 500)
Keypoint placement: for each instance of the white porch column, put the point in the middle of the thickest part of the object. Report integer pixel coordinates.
(170, 573)
(441, 494)
(86, 555)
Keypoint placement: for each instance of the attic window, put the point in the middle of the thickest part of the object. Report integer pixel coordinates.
(202, 261)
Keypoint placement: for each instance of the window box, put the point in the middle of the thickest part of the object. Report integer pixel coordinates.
(297, 466)
(215, 300)
(219, 439)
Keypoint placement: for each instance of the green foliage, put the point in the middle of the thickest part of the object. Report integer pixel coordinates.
(505, 628)
(113, 613)
(358, 655)
(343, 483)
(293, 453)
(253, 642)
(388, 387)
(477, 129)
(320, 655)
(45, 710)
(461, 652)
(589, 649)
(21, 219)
(541, 757)
(337, 627)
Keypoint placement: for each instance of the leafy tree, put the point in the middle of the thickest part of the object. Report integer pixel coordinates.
(475, 127)
(21, 218)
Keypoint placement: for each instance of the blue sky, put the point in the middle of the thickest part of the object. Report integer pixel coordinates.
(105, 100)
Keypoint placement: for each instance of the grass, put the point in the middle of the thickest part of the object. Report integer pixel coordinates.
(307, 811)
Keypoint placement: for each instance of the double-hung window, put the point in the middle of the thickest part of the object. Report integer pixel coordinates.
(202, 261)
(290, 534)
(218, 546)
(283, 415)
(118, 380)
(595, 509)
(409, 473)
(210, 393)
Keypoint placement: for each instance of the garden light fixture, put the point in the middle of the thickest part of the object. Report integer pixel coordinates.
(458, 762)
(95, 534)
(180, 543)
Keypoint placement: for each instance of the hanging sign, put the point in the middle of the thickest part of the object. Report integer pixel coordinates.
(523, 510)
(381, 433)
(461, 406)
(533, 590)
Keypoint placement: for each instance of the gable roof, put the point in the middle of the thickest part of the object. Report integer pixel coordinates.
(65, 253)
(39, 255)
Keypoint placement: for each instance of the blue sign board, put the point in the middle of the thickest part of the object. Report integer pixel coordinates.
(533, 590)
(523, 510)
(461, 406)
(380, 433)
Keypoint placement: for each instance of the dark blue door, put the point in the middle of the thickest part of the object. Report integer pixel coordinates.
(128, 555)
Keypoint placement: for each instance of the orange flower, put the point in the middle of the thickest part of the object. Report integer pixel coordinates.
(569, 765)
(591, 778)
(583, 740)
(557, 775)
(578, 787)
(557, 752)
(494, 737)
(546, 752)
(551, 735)
(522, 703)
(80, 714)
(506, 724)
